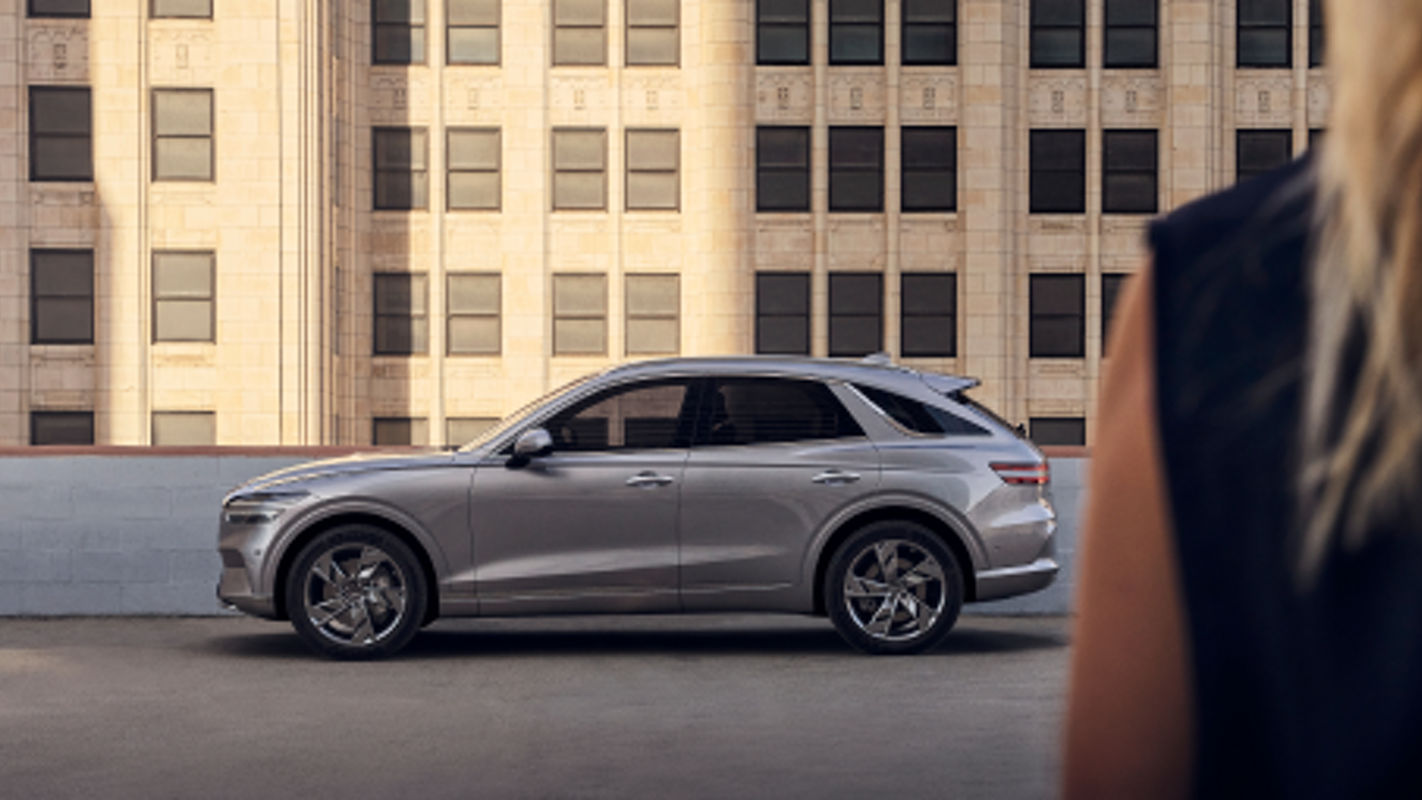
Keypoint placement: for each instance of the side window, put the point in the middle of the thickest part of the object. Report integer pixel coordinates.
(643, 417)
(919, 417)
(760, 410)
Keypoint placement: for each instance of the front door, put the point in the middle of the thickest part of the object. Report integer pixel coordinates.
(591, 527)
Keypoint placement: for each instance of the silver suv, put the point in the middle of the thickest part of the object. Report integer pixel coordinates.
(879, 496)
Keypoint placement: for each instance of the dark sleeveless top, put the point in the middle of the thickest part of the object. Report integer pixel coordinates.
(1299, 692)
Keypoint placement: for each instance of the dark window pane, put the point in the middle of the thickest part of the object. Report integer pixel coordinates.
(401, 180)
(1130, 47)
(1130, 172)
(1264, 12)
(1260, 151)
(61, 427)
(782, 169)
(930, 44)
(1058, 172)
(783, 147)
(401, 321)
(856, 44)
(400, 431)
(782, 313)
(1058, 310)
(61, 140)
(1264, 48)
(1058, 12)
(1057, 48)
(62, 297)
(783, 10)
(919, 417)
(783, 44)
(1131, 12)
(1059, 431)
(929, 304)
(59, 8)
(856, 169)
(929, 169)
(644, 417)
(856, 320)
(783, 293)
(756, 411)
(1111, 284)
(930, 10)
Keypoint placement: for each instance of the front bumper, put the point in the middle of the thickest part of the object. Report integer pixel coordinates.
(234, 590)
(995, 584)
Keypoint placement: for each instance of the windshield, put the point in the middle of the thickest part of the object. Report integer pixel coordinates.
(516, 418)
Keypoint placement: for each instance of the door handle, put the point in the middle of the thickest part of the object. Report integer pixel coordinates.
(835, 477)
(650, 480)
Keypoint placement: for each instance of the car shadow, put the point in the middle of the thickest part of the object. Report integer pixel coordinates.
(467, 641)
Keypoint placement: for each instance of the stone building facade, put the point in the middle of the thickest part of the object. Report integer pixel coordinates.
(320, 222)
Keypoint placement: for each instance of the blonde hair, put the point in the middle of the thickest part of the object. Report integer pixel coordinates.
(1361, 442)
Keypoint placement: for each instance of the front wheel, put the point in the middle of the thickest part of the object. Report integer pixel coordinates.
(356, 591)
(893, 587)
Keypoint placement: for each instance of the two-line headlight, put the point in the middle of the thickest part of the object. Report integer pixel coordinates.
(259, 508)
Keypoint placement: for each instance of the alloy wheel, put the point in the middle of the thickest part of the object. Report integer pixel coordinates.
(894, 590)
(355, 594)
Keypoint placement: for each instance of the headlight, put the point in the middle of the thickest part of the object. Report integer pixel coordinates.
(259, 508)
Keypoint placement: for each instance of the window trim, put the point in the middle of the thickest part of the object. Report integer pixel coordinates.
(949, 131)
(376, 25)
(157, 137)
(1033, 27)
(878, 170)
(844, 62)
(832, 316)
(154, 299)
(375, 169)
(35, 338)
(808, 316)
(807, 27)
(450, 315)
(627, 27)
(805, 172)
(34, 135)
(153, 12)
(30, 12)
(376, 316)
(1033, 172)
(1107, 27)
(1033, 315)
(905, 315)
(905, 24)
(36, 413)
(1107, 171)
(1287, 26)
(498, 28)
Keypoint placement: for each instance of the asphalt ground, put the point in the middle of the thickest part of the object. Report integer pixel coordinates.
(630, 707)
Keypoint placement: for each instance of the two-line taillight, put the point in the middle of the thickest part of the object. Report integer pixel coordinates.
(1023, 474)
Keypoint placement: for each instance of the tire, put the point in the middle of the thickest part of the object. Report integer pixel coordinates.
(356, 592)
(913, 609)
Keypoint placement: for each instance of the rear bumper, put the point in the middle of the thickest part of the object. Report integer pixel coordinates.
(995, 584)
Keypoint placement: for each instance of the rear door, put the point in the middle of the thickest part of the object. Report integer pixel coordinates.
(773, 459)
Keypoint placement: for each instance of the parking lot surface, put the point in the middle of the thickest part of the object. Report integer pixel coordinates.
(658, 707)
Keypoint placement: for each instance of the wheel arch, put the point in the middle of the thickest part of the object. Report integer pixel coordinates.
(299, 541)
(942, 529)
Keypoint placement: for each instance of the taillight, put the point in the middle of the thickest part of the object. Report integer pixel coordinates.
(1023, 474)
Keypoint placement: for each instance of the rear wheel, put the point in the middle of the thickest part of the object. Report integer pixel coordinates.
(356, 591)
(893, 587)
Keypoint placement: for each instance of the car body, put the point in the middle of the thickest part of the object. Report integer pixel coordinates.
(681, 485)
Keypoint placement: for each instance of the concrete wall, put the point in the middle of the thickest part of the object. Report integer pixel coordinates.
(115, 534)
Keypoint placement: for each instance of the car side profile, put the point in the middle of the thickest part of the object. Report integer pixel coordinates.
(879, 496)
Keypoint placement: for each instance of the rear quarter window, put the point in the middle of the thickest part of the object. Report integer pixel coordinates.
(919, 417)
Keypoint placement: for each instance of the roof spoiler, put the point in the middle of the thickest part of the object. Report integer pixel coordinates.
(948, 384)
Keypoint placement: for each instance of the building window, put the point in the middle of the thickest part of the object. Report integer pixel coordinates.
(930, 34)
(400, 432)
(579, 32)
(1058, 172)
(929, 308)
(929, 169)
(473, 320)
(473, 34)
(579, 169)
(59, 8)
(856, 320)
(856, 32)
(401, 169)
(62, 297)
(1315, 137)
(1058, 431)
(1058, 314)
(653, 159)
(782, 32)
(459, 431)
(61, 427)
(399, 31)
(1131, 32)
(782, 169)
(1111, 283)
(856, 178)
(653, 314)
(473, 181)
(401, 318)
(1058, 33)
(193, 9)
(61, 134)
(1264, 33)
(782, 313)
(653, 33)
(1316, 39)
(182, 135)
(579, 314)
(1258, 152)
(184, 428)
(1129, 172)
(183, 306)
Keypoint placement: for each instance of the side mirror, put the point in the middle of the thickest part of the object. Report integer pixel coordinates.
(531, 444)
